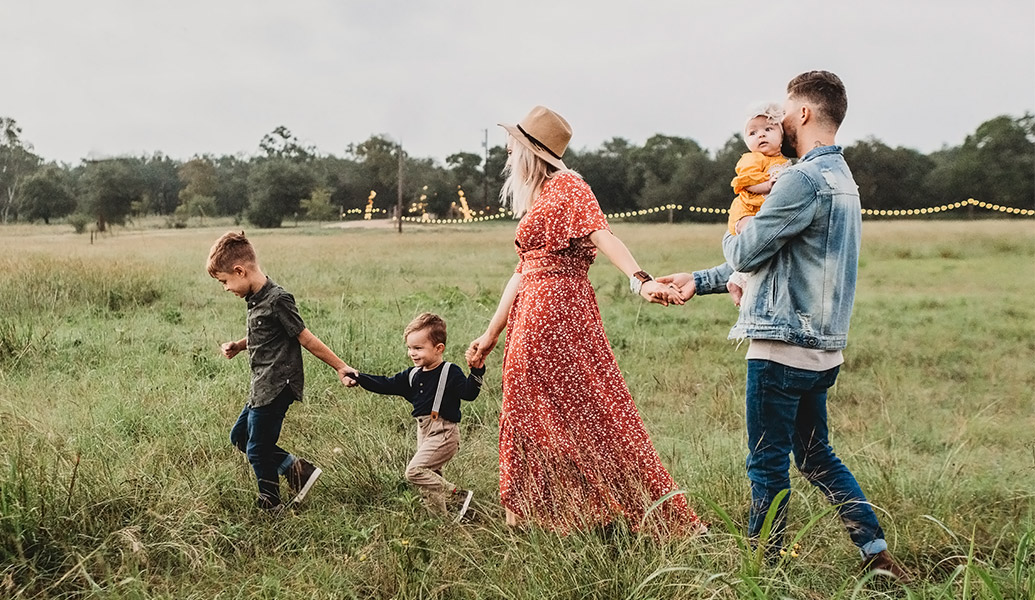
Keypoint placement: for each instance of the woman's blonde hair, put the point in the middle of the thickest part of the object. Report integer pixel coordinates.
(526, 173)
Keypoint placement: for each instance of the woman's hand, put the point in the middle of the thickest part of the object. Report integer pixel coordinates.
(480, 348)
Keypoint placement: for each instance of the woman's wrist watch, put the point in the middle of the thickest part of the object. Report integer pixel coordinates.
(638, 279)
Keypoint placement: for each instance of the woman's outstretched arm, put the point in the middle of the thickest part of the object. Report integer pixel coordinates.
(616, 251)
(483, 345)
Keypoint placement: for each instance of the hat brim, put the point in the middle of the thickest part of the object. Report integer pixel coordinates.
(523, 139)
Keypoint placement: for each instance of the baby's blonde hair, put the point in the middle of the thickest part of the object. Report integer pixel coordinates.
(772, 112)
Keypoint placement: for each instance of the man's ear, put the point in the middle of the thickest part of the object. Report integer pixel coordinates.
(805, 114)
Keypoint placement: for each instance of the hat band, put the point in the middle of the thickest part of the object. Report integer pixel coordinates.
(538, 144)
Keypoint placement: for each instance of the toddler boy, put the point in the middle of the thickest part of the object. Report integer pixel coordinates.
(434, 388)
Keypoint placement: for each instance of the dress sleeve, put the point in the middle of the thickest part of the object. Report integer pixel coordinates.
(750, 171)
(571, 212)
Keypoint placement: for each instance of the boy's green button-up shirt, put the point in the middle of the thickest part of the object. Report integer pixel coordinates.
(273, 349)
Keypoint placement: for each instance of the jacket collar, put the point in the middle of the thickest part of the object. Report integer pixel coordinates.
(822, 150)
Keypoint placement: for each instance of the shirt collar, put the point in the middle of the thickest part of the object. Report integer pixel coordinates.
(262, 293)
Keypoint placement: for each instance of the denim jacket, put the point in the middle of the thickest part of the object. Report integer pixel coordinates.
(802, 250)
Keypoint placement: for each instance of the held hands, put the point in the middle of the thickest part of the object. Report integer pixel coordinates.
(477, 363)
(660, 293)
(479, 349)
(681, 283)
(348, 375)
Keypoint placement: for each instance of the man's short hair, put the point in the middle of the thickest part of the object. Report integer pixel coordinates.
(433, 323)
(823, 90)
(232, 248)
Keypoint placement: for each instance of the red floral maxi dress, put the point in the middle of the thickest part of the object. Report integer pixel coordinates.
(573, 448)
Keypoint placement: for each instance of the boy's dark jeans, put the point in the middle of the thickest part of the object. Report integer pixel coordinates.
(787, 412)
(256, 433)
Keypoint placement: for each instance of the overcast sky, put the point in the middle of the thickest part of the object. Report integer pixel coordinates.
(116, 77)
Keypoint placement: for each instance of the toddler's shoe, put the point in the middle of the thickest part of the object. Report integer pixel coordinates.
(463, 498)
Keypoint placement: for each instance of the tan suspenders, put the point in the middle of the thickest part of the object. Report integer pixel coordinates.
(440, 391)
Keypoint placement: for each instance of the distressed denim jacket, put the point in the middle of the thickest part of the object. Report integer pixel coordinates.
(802, 250)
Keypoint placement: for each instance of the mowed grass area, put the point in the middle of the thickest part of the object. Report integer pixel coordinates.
(117, 479)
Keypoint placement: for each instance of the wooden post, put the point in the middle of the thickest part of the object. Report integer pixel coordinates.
(399, 206)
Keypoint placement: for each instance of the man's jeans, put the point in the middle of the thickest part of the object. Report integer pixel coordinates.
(787, 411)
(256, 433)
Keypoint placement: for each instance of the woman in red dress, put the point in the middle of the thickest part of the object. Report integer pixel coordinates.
(573, 449)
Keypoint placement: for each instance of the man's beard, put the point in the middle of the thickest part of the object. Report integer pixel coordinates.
(789, 145)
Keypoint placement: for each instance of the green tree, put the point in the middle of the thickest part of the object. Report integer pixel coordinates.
(611, 172)
(196, 206)
(995, 164)
(341, 177)
(161, 184)
(232, 188)
(494, 165)
(281, 143)
(717, 193)
(318, 207)
(110, 187)
(17, 162)
(464, 167)
(424, 177)
(46, 195)
(276, 188)
(198, 176)
(378, 162)
(889, 178)
(675, 171)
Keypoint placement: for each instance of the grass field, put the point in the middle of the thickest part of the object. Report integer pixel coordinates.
(117, 479)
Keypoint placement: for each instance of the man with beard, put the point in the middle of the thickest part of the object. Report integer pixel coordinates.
(802, 249)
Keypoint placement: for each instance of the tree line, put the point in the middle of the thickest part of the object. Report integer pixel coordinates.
(287, 180)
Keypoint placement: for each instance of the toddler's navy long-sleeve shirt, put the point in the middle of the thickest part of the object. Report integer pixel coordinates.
(425, 383)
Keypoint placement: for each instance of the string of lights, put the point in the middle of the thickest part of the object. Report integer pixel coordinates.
(643, 212)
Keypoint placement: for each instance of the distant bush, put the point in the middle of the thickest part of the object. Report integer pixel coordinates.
(79, 221)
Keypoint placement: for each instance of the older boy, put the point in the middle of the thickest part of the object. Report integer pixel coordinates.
(434, 388)
(275, 337)
(802, 249)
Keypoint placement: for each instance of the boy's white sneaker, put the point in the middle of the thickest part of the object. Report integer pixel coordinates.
(301, 477)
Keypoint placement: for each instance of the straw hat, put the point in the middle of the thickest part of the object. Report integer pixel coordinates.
(545, 133)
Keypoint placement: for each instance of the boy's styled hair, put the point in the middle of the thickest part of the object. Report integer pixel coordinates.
(824, 90)
(230, 249)
(433, 323)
